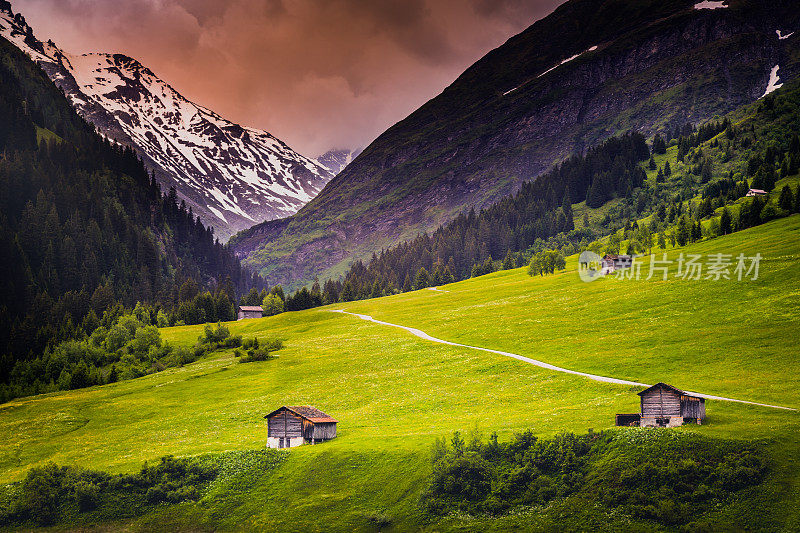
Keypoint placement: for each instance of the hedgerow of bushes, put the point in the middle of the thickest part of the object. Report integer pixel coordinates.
(50, 492)
(53, 494)
(659, 475)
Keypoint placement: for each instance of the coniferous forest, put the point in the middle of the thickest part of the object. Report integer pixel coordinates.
(85, 230)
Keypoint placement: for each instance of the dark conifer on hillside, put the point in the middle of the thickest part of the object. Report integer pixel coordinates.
(786, 199)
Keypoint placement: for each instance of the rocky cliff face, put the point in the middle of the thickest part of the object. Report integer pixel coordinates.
(588, 71)
(231, 176)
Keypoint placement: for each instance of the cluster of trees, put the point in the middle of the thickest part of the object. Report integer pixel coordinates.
(689, 137)
(122, 346)
(546, 262)
(84, 226)
(489, 478)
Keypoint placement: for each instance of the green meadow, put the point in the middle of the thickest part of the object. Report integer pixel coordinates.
(394, 393)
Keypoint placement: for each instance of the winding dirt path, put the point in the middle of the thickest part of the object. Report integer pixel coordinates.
(605, 379)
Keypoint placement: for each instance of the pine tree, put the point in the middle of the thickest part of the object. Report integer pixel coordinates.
(786, 200)
(682, 234)
(508, 262)
(725, 226)
(422, 279)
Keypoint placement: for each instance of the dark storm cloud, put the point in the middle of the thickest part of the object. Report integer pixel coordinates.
(318, 74)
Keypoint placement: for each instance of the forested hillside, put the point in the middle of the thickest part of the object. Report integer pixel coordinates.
(84, 228)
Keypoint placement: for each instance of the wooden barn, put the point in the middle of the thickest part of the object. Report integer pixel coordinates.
(611, 263)
(291, 426)
(249, 311)
(663, 405)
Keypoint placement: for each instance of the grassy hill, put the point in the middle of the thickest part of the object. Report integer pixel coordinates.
(394, 394)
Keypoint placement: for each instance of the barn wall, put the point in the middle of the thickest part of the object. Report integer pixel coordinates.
(660, 403)
(324, 430)
(284, 424)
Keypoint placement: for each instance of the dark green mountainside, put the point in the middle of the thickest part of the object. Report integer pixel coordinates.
(511, 116)
(83, 227)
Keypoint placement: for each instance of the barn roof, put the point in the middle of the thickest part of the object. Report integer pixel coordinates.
(305, 411)
(661, 385)
(250, 308)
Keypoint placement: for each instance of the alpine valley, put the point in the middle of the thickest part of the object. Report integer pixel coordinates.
(562, 295)
(231, 176)
(590, 70)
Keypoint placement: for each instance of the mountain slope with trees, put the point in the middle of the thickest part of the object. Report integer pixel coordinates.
(232, 176)
(590, 70)
(85, 230)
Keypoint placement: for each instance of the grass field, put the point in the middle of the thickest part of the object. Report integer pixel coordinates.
(394, 393)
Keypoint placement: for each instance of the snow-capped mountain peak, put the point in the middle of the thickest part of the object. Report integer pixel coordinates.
(232, 176)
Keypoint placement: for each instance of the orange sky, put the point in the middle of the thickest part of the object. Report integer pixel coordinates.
(317, 74)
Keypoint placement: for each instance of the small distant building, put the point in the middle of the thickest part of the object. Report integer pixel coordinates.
(250, 311)
(611, 263)
(291, 426)
(756, 192)
(663, 405)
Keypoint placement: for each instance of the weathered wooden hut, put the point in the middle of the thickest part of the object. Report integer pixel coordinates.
(664, 405)
(611, 263)
(249, 311)
(291, 426)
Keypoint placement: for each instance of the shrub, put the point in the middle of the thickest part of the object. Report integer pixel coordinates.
(257, 354)
(40, 494)
(86, 495)
(214, 336)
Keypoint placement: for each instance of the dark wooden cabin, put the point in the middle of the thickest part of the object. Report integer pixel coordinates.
(664, 405)
(611, 263)
(291, 426)
(249, 311)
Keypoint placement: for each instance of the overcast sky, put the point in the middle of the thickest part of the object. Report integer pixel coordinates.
(317, 74)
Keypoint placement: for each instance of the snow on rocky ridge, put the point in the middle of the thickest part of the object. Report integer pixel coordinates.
(773, 84)
(232, 176)
(567, 60)
(711, 4)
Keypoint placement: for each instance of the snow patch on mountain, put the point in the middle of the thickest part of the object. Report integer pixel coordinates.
(773, 84)
(711, 4)
(232, 176)
(567, 60)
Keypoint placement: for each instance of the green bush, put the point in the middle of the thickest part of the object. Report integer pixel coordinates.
(257, 354)
(50, 494)
(658, 475)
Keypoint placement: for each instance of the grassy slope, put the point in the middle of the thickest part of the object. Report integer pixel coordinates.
(393, 393)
